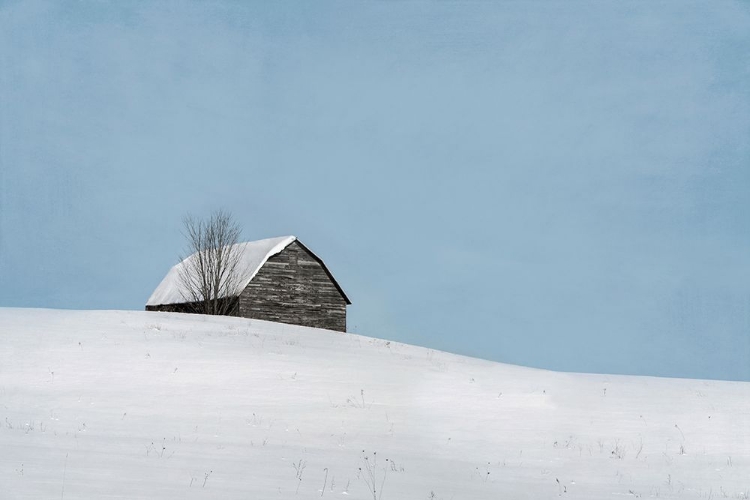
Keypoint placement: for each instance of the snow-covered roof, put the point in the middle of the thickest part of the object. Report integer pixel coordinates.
(253, 254)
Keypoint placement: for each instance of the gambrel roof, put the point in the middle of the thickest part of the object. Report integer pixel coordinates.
(253, 254)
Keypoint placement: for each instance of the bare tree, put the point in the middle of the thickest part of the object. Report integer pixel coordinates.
(212, 271)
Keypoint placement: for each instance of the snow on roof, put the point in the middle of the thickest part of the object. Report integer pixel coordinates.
(253, 254)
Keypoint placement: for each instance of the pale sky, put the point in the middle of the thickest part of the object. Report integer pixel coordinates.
(563, 185)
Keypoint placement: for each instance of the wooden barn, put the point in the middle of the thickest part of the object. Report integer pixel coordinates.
(282, 281)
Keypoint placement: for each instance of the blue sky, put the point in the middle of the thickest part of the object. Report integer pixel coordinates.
(563, 185)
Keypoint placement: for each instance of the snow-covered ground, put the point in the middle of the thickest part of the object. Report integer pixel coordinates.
(115, 404)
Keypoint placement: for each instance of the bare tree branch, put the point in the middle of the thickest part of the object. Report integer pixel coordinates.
(211, 273)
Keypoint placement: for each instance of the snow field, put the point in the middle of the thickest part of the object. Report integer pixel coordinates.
(116, 404)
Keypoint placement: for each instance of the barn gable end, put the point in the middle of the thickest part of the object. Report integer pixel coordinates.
(295, 287)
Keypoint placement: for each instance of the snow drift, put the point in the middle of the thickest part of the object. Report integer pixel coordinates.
(116, 404)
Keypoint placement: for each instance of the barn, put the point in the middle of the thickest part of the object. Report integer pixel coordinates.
(282, 281)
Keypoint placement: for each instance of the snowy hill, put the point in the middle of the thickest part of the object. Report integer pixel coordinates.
(116, 404)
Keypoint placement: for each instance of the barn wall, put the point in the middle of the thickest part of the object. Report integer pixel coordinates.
(192, 307)
(292, 287)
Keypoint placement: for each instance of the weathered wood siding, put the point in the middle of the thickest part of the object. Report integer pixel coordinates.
(293, 287)
(194, 307)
